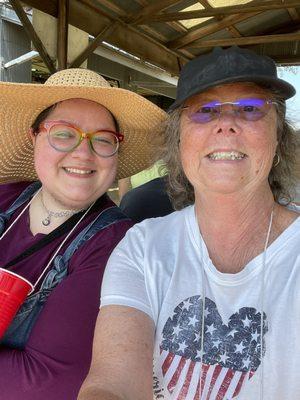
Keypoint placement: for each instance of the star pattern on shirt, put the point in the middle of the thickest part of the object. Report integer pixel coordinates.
(235, 344)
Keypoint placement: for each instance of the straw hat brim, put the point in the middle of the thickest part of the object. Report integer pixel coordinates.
(139, 120)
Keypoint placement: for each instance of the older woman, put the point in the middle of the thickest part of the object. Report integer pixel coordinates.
(211, 290)
(58, 232)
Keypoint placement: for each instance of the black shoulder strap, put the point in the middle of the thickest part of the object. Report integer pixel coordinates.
(59, 231)
(106, 218)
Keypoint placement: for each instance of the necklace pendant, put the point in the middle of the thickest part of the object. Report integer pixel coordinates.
(46, 221)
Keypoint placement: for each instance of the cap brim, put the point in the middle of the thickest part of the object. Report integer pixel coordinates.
(283, 88)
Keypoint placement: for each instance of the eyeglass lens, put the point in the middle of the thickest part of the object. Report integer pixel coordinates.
(65, 138)
(251, 109)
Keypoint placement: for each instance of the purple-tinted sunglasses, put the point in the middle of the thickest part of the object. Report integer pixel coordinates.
(250, 109)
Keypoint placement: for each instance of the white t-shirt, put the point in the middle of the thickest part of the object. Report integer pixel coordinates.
(162, 268)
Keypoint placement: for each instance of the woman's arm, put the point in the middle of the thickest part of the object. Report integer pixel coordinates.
(122, 360)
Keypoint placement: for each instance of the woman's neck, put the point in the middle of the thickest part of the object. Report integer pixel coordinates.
(232, 210)
(40, 214)
(234, 227)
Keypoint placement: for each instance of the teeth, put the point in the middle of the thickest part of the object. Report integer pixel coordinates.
(78, 171)
(226, 155)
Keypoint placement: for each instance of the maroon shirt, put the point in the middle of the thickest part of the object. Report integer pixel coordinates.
(58, 353)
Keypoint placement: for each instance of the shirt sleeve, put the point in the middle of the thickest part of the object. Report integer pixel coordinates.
(124, 280)
(58, 354)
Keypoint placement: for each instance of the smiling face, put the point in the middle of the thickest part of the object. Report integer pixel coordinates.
(228, 154)
(76, 179)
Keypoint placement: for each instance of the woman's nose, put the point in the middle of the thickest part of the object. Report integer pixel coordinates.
(84, 149)
(228, 122)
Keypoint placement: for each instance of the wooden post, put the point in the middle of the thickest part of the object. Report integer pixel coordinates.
(16, 5)
(62, 34)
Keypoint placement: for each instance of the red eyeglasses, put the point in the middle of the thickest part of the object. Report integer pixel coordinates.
(65, 137)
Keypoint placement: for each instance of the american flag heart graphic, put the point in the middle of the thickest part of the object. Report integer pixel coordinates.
(231, 353)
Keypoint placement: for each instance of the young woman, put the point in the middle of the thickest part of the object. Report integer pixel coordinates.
(73, 136)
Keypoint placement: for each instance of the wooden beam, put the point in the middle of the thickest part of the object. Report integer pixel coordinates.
(208, 29)
(293, 14)
(113, 7)
(213, 12)
(151, 9)
(92, 46)
(205, 4)
(187, 54)
(48, 7)
(16, 5)
(286, 60)
(233, 31)
(177, 26)
(130, 39)
(85, 16)
(153, 33)
(244, 41)
(62, 34)
(148, 49)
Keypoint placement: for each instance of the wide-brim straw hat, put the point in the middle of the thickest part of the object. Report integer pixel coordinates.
(139, 119)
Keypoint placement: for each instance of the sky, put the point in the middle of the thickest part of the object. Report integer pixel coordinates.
(292, 75)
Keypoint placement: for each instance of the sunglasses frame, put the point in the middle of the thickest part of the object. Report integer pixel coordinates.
(235, 112)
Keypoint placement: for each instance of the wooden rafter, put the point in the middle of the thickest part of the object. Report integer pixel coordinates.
(113, 7)
(16, 5)
(202, 31)
(287, 60)
(233, 31)
(205, 4)
(153, 35)
(293, 14)
(144, 28)
(177, 26)
(245, 41)
(151, 9)
(213, 12)
(125, 37)
(92, 6)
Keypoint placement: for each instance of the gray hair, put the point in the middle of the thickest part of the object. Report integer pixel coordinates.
(282, 177)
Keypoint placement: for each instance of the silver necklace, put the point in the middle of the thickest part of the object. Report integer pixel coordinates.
(56, 214)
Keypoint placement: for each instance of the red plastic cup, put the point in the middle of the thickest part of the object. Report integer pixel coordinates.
(13, 291)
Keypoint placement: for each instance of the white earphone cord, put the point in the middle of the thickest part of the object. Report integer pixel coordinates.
(262, 307)
(264, 257)
(59, 247)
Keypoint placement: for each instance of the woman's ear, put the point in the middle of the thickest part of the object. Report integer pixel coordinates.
(32, 136)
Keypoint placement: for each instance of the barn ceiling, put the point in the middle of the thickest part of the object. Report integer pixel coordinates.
(168, 33)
